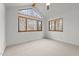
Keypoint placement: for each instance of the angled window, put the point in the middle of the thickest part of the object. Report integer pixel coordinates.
(29, 12)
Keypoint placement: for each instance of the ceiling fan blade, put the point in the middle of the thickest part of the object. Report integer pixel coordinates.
(33, 5)
(48, 7)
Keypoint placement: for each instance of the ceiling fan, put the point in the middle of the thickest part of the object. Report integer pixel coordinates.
(47, 5)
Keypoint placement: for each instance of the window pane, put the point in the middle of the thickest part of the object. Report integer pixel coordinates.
(22, 24)
(61, 24)
(52, 25)
(39, 25)
(31, 24)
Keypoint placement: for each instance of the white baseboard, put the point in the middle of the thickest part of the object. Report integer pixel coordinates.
(64, 42)
(1, 54)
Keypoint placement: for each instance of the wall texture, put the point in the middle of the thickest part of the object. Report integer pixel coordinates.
(70, 13)
(13, 36)
(2, 28)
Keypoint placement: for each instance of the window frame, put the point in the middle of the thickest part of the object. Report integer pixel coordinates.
(55, 22)
(26, 18)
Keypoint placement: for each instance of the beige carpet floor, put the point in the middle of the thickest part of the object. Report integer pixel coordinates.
(42, 47)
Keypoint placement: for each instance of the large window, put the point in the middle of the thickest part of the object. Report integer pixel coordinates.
(29, 20)
(28, 25)
(56, 25)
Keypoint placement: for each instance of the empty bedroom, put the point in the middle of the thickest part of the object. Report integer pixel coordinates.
(39, 29)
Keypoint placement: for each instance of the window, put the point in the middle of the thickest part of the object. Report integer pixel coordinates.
(21, 24)
(29, 20)
(27, 24)
(29, 12)
(56, 25)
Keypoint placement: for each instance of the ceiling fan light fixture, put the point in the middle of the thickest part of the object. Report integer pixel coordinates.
(47, 4)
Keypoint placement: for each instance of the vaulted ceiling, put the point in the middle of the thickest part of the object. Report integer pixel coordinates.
(55, 9)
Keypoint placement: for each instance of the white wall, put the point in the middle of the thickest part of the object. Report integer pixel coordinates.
(70, 33)
(70, 14)
(13, 36)
(43, 11)
(2, 28)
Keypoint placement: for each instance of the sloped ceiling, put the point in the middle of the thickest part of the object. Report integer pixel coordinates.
(18, 4)
(41, 7)
(54, 10)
